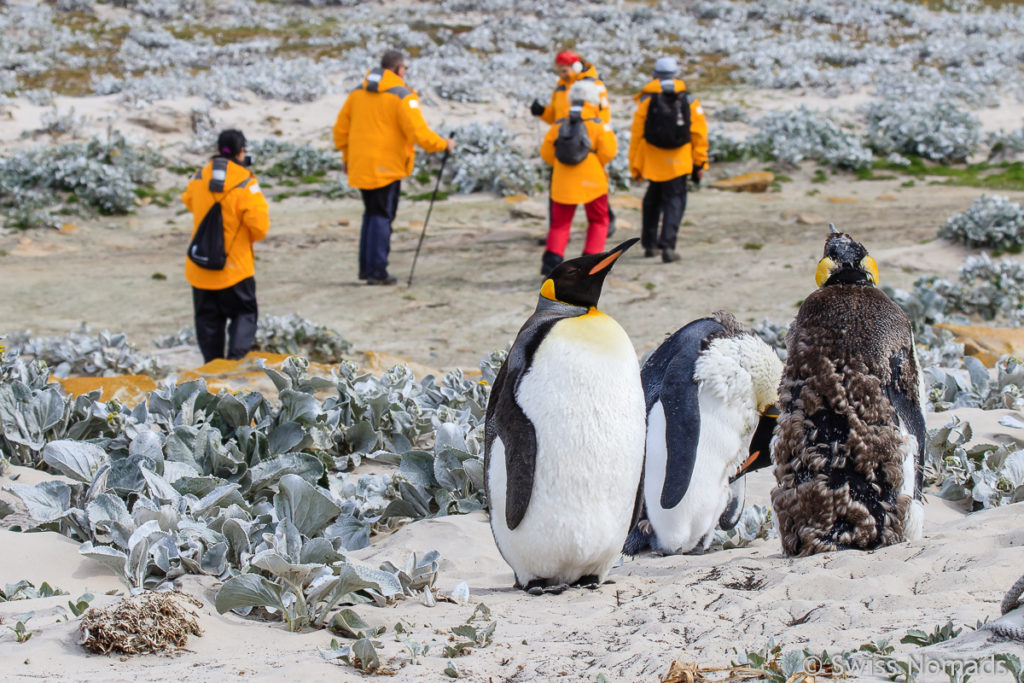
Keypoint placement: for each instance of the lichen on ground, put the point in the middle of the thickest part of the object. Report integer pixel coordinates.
(141, 624)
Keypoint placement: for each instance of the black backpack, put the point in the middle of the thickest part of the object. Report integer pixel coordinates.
(668, 119)
(206, 249)
(572, 145)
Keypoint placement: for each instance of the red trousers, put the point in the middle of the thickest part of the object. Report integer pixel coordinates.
(561, 222)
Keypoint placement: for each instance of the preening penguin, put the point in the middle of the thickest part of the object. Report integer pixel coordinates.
(705, 388)
(849, 447)
(564, 435)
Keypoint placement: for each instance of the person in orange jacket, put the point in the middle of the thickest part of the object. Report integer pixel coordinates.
(376, 129)
(584, 182)
(571, 68)
(227, 297)
(667, 168)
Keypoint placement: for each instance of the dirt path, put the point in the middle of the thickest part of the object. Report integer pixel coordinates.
(477, 277)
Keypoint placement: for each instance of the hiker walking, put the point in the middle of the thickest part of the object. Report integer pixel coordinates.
(229, 213)
(571, 68)
(669, 143)
(375, 131)
(578, 147)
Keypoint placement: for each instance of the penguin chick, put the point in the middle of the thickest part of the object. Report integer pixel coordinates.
(849, 447)
(705, 388)
(564, 435)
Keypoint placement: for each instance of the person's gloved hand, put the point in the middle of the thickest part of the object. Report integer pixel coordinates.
(536, 108)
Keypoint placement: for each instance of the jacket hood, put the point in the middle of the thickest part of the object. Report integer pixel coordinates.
(388, 79)
(655, 86)
(589, 71)
(590, 111)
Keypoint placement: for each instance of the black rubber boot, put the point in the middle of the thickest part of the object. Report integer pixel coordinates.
(549, 261)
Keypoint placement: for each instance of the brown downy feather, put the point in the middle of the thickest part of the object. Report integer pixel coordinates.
(838, 463)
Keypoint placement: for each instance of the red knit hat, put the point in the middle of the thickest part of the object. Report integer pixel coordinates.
(568, 58)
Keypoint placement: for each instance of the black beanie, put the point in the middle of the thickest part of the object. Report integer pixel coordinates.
(230, 143)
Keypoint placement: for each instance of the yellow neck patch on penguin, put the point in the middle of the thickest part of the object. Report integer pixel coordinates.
(871, 268)
(825, 267)
(547, 290)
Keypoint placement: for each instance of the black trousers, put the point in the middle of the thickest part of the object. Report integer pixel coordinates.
(233, 308)
(379, 208)
(665, 201)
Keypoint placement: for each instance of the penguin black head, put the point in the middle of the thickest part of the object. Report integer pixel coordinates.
(578, 281)
(846, 262)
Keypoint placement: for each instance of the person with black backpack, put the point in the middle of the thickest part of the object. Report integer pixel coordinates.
(669, 144)
(229, 213)
(578, 147)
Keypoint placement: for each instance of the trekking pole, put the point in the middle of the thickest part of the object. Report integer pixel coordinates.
(430, 208)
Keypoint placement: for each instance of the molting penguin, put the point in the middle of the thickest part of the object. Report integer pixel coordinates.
(564, 435)
(849, 446)
(705, 388)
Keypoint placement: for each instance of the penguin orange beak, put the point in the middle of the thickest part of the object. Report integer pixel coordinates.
(614, 254)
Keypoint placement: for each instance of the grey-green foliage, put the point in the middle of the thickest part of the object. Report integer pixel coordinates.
(989, 288)
(232, 486)
(296, 335)
(291, 334)
(25, 590)
(793, 136)
(278, 158)
(82, 353)
(756, 521)
(936, 129)
(970, 385)
(487, 159)
(981, 475)
(773, 334)
(990, 221)
(100, 175)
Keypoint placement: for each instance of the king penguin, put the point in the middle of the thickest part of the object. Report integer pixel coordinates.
(564, 435)
(849, 446)
(710, 391)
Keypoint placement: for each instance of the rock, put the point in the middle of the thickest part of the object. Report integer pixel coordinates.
(69, 228)
(987, 344)
(803, 218)
(621, 224)
(626, 201)
(342, 221)
(748, 182)
(528, 209)
(516, 198)
(842, 200)
(886, 197)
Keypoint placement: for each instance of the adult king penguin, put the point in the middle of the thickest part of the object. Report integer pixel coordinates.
(849, 446)
(709, 388)
(564, 436)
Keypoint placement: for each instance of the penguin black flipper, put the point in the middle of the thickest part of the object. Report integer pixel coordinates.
(668, 376)
(507, 421)
(907, 410)
(640, 535)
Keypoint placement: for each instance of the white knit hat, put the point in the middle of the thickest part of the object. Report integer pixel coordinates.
(585, 90)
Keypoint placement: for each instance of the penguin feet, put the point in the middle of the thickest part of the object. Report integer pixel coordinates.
(544, 586)
(590, 582)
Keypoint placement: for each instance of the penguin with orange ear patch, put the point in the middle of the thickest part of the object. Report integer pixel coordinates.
(564, 435)
(849, 446)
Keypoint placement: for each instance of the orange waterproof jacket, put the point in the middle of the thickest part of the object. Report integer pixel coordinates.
(654, 163)
(246, 220)
(559, 106)
(376, 129)
(587, 180)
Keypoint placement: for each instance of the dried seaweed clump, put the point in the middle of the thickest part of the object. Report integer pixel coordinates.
(140, 624)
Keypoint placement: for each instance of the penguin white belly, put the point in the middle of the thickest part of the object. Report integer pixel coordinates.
(913, 520)
(721, 448)
(584, 398)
